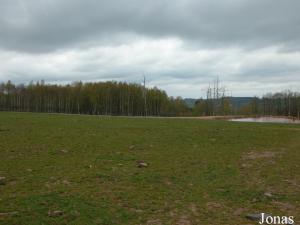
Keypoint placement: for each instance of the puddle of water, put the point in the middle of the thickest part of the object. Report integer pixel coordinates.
(266, 120)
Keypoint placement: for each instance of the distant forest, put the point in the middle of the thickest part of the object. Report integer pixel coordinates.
(101, 98)
(131, 99)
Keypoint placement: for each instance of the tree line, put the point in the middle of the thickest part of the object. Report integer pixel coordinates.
(286, 103)
(99, 98)
(132, 99)
(217, 103)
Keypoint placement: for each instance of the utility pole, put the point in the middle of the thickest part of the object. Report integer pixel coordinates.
(217, 95)
(289, 99)
(145, 96)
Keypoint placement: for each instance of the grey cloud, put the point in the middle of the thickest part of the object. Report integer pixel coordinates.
(42, 26)
(181, 45)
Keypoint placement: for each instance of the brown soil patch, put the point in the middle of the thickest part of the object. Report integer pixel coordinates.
(239, 211)
(154, 222)
(194, 209)
(293, 183)
(213, 205)
(184, 220)
(4, 214)
(285, 206)
(259, 155)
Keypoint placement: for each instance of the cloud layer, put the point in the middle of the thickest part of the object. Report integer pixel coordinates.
(252, 45)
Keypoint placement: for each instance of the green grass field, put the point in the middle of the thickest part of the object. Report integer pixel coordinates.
(70, 169)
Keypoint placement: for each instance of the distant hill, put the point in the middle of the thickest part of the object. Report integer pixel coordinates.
(190, 102)
(236, 102)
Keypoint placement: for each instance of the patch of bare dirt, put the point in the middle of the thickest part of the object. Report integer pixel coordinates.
(4, 214)
(154, 222)
(213, 205)
(136, 210)
(168, 182)
(194, 209)
(246, 166)
(239, 211)
(293, 183)
(55, 213)
(184, 220)
(259, 155)
(284, 206)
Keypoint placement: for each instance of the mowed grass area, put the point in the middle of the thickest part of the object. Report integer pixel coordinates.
(199, 172)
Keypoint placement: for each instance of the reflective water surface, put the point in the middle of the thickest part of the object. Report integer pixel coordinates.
(267, 120)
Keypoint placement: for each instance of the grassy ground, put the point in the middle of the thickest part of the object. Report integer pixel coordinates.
(199, 172)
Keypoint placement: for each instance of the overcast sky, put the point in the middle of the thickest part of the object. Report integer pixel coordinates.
(253, 46)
